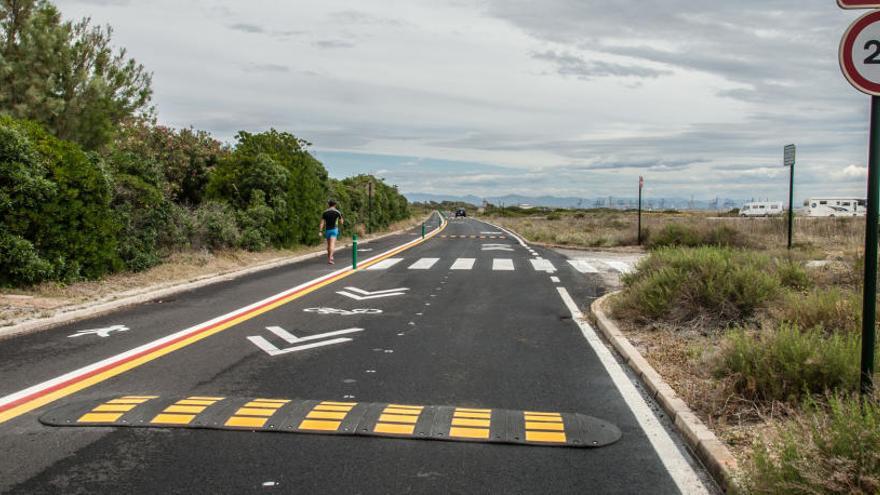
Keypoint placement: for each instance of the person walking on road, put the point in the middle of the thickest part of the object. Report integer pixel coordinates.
(331, 222)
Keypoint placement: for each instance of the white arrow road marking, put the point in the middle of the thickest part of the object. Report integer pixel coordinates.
(100, 332)
(288, 337)
(371, 295)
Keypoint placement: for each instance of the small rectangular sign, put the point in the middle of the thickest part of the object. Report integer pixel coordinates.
(858, 4)
(789, 155)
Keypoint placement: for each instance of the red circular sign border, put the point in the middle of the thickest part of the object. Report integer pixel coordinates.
(846, 61)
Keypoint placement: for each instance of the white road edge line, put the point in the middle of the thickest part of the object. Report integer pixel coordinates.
(15, 396)
(678, 467)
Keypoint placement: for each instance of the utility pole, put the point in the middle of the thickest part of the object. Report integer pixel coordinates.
(641, 185)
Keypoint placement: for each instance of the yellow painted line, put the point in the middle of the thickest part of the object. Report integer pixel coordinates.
(468, 433)
(246, 422)
(394, 429)
(543, 418)
(184, 409)
(399, 406)
(545, 436)
(278, 401)
(114, 408)
(397, 418)
(320, 407)
(191, 402)
(264, 405)
(473, 415)
(468, 409)
(309, 424)
(215, 399)
(127, 401)
(146, 397)
(99, 418)
(331, 403)
(533, 413)
(43, 399)
(407, 412)
(173, 419)
(250, 411)
(326, 415)
(545, 426)
(471, 422)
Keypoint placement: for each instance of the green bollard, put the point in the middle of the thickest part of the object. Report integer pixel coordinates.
(354, 252)
(423, 231)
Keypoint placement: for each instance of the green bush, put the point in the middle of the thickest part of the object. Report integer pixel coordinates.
(21, 264)
(215, 226)
(793, 275)
(834, 310)
(683, 235)
(57, 198)
(255, 224)
(829, 448)
(712, 285)
(785, 363)
(554, 216)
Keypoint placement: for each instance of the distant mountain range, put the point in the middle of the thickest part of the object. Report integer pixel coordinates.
(571, 202)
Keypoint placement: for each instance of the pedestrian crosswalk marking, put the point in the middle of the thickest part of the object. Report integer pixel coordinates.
(543, 265)
(463, 264)
(502, 264)
(583, 266)
(385, 264)
(620, 266)
(424, 264)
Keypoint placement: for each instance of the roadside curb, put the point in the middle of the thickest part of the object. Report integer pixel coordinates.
(708, 448)
(100, 308)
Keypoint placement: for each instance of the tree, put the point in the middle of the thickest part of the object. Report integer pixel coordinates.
(66, 75)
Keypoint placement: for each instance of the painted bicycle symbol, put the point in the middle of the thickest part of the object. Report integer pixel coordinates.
(343, 312)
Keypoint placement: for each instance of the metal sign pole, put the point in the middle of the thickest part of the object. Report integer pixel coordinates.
(790, 205)
(869, 301)
(641, 182)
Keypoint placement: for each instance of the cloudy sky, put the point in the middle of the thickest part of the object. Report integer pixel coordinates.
(490, 97)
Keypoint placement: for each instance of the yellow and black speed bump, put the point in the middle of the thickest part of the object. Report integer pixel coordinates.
(465, 424)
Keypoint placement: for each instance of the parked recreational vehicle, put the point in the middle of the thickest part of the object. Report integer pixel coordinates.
(761, 209)
(836, 207)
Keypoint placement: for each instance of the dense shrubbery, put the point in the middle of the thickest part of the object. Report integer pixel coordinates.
(140, 191)
(683, 235)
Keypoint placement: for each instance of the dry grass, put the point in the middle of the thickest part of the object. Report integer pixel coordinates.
(608, 228)
(17, 305)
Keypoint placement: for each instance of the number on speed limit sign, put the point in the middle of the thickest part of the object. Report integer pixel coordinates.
(860, 54)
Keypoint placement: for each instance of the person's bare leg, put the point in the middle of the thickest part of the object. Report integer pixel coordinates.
(331, 245)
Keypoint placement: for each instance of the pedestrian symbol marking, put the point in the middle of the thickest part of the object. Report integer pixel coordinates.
(100, 332)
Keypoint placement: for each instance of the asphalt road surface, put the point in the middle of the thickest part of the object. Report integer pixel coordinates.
(471, 317)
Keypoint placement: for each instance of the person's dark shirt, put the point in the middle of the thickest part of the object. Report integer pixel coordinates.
(331, 216)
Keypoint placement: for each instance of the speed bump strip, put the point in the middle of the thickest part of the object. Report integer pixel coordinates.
(465, 424)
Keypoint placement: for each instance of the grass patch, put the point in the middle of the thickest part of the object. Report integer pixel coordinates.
(694, 235)
(834, 310)
(716, 287)
(827, 448)
(786, 363)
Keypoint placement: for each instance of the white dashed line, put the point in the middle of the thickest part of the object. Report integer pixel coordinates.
(424, 264)
(583, 266)
(463, 264)
(542, 265)
(385, 264)
(502, 264)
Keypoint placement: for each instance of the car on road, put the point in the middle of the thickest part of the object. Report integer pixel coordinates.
(461, 212)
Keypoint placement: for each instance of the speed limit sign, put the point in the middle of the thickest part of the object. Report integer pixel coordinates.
(860, 54)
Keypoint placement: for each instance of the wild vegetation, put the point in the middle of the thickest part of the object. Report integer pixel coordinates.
(762, 342)
(91, 185)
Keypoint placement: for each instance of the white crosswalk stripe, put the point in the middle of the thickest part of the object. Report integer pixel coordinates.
(385, 264)
(502, 265)
(542, 265)
(463, 264)
(583, 266)
(424, 264)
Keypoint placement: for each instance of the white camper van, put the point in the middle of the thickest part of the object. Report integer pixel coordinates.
(836, 207)
(761, 209)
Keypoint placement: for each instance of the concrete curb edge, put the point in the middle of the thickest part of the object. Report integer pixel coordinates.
(702, 441)
(97, 308)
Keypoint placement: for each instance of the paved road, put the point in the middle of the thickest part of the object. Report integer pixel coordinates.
(484, 322)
